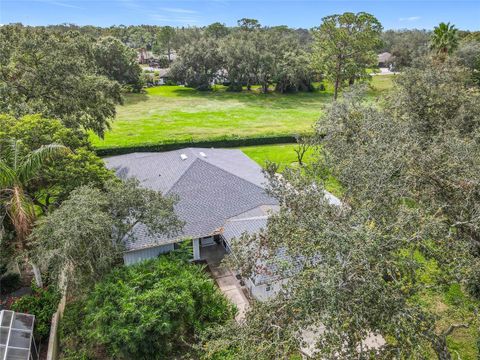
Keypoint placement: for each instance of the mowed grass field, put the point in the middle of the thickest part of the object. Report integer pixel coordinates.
(284, 155)
(170, 114)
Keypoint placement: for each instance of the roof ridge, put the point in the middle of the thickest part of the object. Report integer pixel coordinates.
(181, 176)
(230, 173)
(249, 218)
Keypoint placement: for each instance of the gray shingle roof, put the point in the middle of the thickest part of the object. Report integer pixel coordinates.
(235, 228)
(213, 186)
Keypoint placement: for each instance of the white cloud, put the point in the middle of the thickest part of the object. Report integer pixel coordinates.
(181, 20)
(411, 18)
(62, 4)
(179, 10)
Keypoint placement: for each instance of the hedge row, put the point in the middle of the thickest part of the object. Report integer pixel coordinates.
(222, 143)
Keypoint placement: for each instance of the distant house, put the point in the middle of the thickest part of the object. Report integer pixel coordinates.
(163, 76)
(221, 197)
(384, 60)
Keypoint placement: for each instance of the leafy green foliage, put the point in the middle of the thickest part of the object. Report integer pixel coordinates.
(56, 75)
(406, 46)
(80, 166)
(84, 238)
(43, 304)
(9, 282)
(405, 234)
(198, 64)
(444, 39)
(153, 310)
(118, 62)
(344, 47)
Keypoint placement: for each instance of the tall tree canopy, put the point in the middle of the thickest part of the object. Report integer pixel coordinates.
(198, 63)
(54, 74)
(58, 178)
(17, 169)
(406, 46)
(344, 47)
(409, 170)
(118, 62)
(85, 237)
(444, 39)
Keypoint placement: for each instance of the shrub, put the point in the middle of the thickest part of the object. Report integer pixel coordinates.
(9, 283)
(455, 295)
(73, 340)
(43, 304)
(153, 310)
(224, 142)
(473, 284)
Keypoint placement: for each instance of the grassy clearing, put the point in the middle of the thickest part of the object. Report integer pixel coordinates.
(284, 155)
(452, 305)
(168, 114)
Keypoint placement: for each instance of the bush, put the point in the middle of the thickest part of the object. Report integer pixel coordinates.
(73, 340)
(225, 142)
(473, 284)
(43, 304)
(9, 283)
(151, 310)
(235, 87)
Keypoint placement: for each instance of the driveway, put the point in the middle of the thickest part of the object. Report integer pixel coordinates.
(231, 288)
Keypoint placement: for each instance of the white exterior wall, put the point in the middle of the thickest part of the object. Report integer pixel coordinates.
(261, 293)
(196, 249)
(133, 257)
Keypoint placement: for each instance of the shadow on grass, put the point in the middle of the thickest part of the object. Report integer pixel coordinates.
(131, 99)
(271, 100)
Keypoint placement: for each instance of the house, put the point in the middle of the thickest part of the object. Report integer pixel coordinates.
(384, 60)
(221, 197)
(163, 76)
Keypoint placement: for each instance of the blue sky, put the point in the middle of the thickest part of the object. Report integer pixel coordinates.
(296, 13)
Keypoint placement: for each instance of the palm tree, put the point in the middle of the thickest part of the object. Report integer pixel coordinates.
(444, 39)
(17, 169)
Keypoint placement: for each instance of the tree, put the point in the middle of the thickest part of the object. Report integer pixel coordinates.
(118, 62)
(444, 39)
(406, 46)
(84, 238)
(79, 166)
(217, 30)
(152, 310)
(18, 168)
(54, 74)
(249, 24)
(239, 59)
(165, 41)
(348, 279)
(344, 47)
(409, 170)
(198, 63)
(303, 145)
(468, 54)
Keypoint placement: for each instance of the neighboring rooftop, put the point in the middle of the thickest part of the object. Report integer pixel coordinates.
(384, 57)
(213, 185)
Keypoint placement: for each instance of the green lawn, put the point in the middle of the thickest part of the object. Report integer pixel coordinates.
(284, 155)
(168, 114)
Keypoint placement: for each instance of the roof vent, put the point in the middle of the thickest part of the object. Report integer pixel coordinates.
(183, 156)
(202, 154)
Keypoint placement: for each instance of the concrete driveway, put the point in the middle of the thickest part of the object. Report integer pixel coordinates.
(231, 288)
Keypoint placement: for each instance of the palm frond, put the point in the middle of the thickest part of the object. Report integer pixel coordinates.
(7, 175)
(33, 162)
(21, 212)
